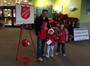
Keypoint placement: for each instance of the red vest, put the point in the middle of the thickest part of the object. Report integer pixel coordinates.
(62, 36)
(42, 34)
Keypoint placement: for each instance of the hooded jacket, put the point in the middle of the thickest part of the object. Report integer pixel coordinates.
(38, 23)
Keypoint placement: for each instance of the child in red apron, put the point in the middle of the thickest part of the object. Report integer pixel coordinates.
(51, 43)
(62, 40)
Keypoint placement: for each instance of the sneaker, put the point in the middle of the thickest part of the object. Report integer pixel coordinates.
(64, 55)
(52, 55)
(40, 59)
(47, 56)
(57, 53)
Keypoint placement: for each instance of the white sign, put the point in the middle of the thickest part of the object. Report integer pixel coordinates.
(24, 14)
(48, 42)
(81, 34)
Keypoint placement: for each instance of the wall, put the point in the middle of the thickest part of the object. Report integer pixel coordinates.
(85, 18)
(54, 3)
(81, 13)
(64, 3)
(85, 25)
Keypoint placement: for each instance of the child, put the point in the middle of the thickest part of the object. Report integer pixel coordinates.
(51, 43)
(62, 40)
(71, 30)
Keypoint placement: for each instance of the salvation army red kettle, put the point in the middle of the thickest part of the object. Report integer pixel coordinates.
(25, 42)
(26, 60)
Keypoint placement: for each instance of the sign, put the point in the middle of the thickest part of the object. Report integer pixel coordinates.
(81, 34)
(49, 42)
(24, 14)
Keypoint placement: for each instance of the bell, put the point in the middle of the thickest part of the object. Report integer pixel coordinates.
(26, 60)
(25, 42)
(27, 26)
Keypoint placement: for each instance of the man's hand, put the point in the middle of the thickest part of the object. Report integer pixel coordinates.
(45, 28)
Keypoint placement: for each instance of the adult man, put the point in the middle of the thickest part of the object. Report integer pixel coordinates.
(41, 27)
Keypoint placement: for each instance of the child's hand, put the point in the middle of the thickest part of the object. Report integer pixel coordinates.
(57, 38)
(60, 34)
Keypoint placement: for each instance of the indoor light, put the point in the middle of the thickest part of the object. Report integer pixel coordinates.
(71, 8)
(58, 9)
(4, 1)
(25, 0)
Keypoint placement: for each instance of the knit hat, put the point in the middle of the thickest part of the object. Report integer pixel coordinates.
(50, 30)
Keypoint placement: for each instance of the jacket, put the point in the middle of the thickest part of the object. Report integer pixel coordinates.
(38, 23)
(62, 37)
(42, 34)
(52, 38)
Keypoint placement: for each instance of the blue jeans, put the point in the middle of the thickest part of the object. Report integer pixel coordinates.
(62, 48)
(40, 48)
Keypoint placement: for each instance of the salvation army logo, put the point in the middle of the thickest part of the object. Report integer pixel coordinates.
(25, 12)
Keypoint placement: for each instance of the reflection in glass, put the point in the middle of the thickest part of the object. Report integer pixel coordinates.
(8, 21)
(15, 22)
(7, 13)
(14, 13)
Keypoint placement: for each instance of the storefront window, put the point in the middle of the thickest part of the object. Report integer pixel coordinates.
(7, 16)
(7, 13)
(14, 13)
(8, 21)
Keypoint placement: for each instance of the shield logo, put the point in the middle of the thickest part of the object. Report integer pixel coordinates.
(25, 12)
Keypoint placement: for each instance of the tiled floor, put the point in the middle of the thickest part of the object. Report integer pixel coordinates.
(77, 53)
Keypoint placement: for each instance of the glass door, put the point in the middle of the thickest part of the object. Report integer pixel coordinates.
(8, 14)
(14, 16)
(7, 17)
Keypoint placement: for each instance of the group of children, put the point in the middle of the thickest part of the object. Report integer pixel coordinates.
(52, 38)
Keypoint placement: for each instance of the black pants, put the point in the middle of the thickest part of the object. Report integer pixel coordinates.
(62, 47)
